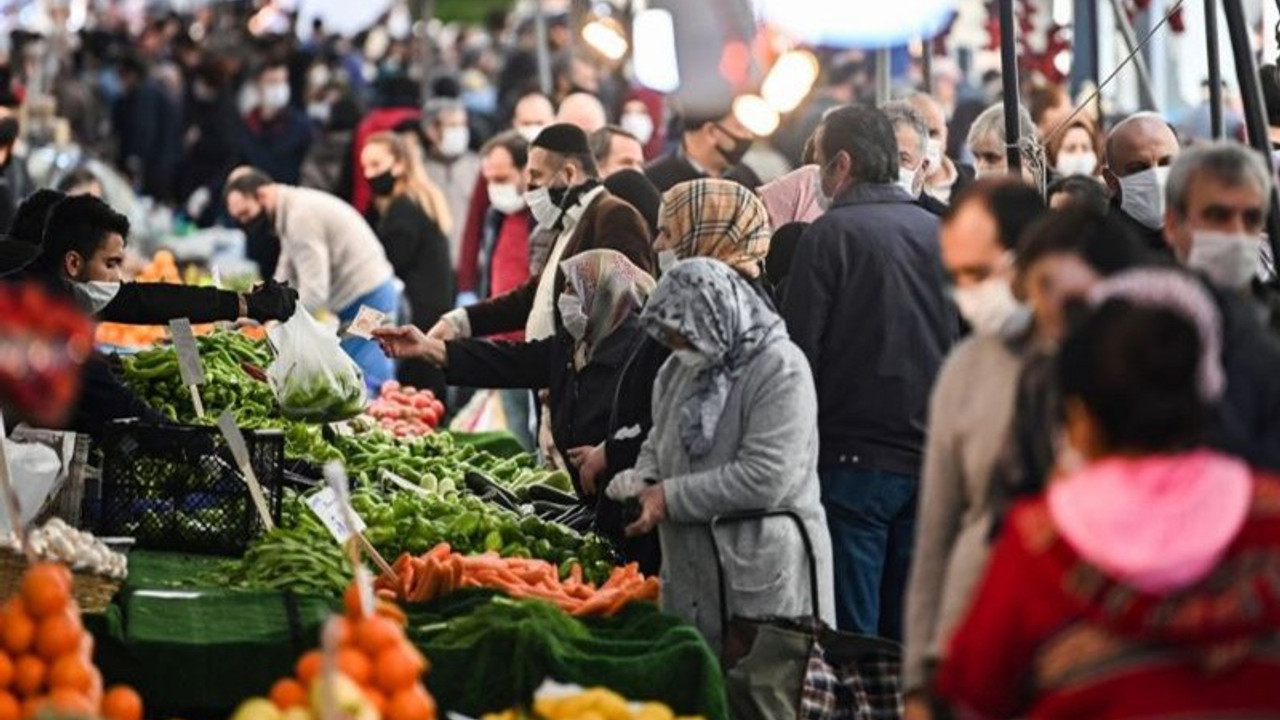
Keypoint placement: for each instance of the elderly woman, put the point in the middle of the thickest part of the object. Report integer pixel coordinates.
(734, 430)
(716, 219)
(987, 143)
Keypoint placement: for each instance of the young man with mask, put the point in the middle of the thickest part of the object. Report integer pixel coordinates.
(565, 197)
(1140, 150)
(867, 303)
(83, 250)
(327, 251)
(276, 135)
(709, 148)
(913, 158)
(450, 163)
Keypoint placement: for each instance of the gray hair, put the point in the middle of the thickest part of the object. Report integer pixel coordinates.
(991, 121)
(435, 107)
(1231, 163)
(902, 114)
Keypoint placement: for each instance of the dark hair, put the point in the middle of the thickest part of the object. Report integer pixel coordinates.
(77, 177)
(1102, 241)
(1269, 75)
(1084, 193)
(867, 135)
(247, 182)
(1044, 98)
(1013, 203)
(30, 217)
(632, 186)
(511, 141)
(782, 250)
(79, 224)
(602, 141)
(1135, 369)
(344, 116)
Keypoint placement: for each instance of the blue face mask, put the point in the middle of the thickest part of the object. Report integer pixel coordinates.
(482, 100)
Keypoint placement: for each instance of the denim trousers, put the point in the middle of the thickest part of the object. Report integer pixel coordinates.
(871, 515)
(376, 366)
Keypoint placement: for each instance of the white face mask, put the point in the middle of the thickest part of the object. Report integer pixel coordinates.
(1076, 164)
(1230, 260)
(530, 132)
(1142, 196)
(638, 124)
(933, 153)
(667, 259)
(544, 210)
(454, 141)
(319, 112)
(94, 295)
(575, 321)
(986, 306)
(275, 96)
(907, 181)
(691, 359)
(505, 198)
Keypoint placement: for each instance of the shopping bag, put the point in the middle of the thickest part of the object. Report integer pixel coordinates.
(313, 379)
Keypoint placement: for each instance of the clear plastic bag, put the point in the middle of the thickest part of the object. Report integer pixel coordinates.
(313, 379)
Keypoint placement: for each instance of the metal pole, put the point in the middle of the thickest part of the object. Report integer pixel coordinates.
(428, 56)
(1084, 45)
(1254, 115)
(1139, 61)
(1215, 68)
(883, 76)
(1009, 76)
(544, 49)
(926, 62)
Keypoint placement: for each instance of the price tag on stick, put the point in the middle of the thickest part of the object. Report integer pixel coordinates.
(336, 475)
(189, 365)
(240, 452)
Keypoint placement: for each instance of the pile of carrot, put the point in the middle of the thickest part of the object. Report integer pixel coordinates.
(441, 571)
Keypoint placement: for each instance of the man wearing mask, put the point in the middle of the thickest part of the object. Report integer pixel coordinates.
(565, 197)
(1139, 152)
(867, 303)
(913, 158)
(616, 149)
(276, 135)
(946, 178)
(709, 148)
(450, 163)
(327, 251)
(533, 113)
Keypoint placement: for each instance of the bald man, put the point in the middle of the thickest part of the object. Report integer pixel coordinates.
(532, 114)
(1140, 151)
(946, 178)
(582, 110)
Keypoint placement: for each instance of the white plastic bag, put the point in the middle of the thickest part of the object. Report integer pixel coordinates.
(313, 379)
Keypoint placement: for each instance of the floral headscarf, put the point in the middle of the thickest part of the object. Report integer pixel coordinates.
(714, 219)
(611, 289)
(709, 304)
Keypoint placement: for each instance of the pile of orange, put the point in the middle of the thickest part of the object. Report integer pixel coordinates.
(163, 268)
(376, 655)
(46, 657)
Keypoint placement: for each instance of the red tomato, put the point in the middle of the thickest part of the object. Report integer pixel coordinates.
(422, 400)
(430, 418)
(390, 386)
(438, 407)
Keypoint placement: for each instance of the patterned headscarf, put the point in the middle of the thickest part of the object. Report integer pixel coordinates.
(715, 219)
(709, 304)
(611, 289)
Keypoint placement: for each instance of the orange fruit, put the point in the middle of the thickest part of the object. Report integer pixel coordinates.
(6, 671)
(19, 630)
(29, 675)
(413, 703)
(58, 635)
(72, 672)
(376, 699)
(46, 589)
(122, 703)
(10, 708)
(351, 601)
(32, 707)
(374, 634)
(288, 693)
(308, 667)
(70, 702)
(398, 667)
(355, 665)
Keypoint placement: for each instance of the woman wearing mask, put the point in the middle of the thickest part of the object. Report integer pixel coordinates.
(407, 206)
(1142, 583)
(642, 116)
(598, 335)
(987, 143)
(1076, 150)
(717, 219)
(734, 429)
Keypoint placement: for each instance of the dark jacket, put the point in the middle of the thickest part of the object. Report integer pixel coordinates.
(208, 160)
(867, 303)
(277, 146)
(607, 223)
(158, 303)
(670, 170)
(1247, 422)
(148, 128)
(419, 253)
(1153, 240)
(103, 398)
(931, 204)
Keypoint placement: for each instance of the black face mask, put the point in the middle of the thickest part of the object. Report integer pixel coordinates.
(9, 131)
(259, 227)
(567, 197)
(383, 185)
(734, 155)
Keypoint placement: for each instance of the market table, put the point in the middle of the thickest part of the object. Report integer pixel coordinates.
(196, 652)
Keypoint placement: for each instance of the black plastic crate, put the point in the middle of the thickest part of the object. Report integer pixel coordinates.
(177, 487)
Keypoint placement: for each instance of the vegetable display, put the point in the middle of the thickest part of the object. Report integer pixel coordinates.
(320, 398)
(59, 542)
(233, 380)
(442, 571)
(405, 411)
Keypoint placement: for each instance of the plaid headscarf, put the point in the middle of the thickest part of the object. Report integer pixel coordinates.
(716, 219)
(708, 304)
(611, 289)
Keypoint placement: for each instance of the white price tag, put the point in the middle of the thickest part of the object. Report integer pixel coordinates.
(184, 341)
(240, 451)
(367, 320)
(326, 505)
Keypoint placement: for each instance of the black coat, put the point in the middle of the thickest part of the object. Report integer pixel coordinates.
(419, 253)
(670, 170)
(1247, 419)
(1153, 240)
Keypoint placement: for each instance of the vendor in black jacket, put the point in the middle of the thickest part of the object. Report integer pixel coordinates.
(598, 366)
(83, 249)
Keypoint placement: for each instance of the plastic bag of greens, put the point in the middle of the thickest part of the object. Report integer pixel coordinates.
(313, 379)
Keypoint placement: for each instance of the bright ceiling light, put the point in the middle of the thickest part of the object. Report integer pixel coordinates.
(790, 80)
(853, 24)
(654, 58)
(756, 115)
(605, 36)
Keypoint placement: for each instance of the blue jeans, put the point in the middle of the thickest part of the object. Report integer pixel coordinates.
(376, 366)
(872, 517)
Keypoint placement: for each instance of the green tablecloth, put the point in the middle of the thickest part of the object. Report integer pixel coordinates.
(196, 652)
